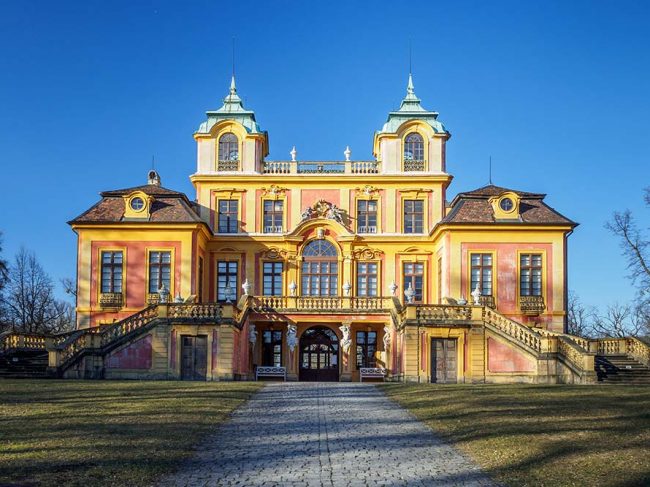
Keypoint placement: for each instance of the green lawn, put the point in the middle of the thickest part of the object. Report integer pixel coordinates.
(106, 432)
(541, 435)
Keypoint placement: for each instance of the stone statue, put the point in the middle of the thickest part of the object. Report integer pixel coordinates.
(292, 337)
(334, 213)
(476, 295)
(307, 214)
(252, 335)
(386, 337)
(346, 341)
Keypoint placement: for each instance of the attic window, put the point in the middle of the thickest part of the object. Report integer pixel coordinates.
(506, 204)
(137, 204)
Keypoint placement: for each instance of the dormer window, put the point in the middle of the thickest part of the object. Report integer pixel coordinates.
(137, 203)
(413, 153)
(228, 153)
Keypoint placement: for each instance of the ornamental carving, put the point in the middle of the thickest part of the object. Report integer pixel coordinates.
(292, 337)
(274, 253)
(367, 254)
(346, 341)
(274, 190)
(323, 209)
(367, 190)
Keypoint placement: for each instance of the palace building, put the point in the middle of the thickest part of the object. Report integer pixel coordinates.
(322, 270)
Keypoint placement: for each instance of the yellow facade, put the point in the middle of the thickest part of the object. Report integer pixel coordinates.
(332, 266)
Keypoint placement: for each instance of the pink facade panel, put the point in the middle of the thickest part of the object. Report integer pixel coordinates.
(503, 358)
(137, 355)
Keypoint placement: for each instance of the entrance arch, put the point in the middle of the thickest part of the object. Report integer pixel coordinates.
(319, 355)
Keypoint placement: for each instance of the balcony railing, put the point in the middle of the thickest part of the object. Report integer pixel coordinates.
(273, 229)
(319, 303)
(532, 305)
(227, 166)
(413, 166)
(487, 301)
(346, 167)
(111, 300)
(367, 229)
(153, 298)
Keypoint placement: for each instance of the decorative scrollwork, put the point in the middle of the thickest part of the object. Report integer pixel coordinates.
(367, 253)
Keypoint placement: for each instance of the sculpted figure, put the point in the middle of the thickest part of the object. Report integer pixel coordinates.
(292, 337)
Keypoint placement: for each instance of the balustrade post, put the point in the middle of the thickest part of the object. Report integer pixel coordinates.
(163, 310)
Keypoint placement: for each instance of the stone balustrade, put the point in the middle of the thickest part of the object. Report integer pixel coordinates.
(521, 333)
(324, 167)
(321, 303)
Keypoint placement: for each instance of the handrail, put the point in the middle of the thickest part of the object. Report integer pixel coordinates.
(443, 312)
(638, 350)
(576, 355)
(520, 333)
(316, 303)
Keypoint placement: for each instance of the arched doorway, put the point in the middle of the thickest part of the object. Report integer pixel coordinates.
(319, 355)
(320, 269)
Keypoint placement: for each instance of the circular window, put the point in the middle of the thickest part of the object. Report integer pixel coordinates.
(137, 204)
(506, 204)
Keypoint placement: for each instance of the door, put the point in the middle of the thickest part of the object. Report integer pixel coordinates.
(194, 357)
(319, 355)
(444, 360)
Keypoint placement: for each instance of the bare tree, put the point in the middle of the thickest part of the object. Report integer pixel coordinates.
(635, 245)
(578, 317)
(30, 302)
(4, 268)
(619, 321)
(69, 286)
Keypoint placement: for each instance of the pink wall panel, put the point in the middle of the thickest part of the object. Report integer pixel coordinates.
(502, 358)
(137, 355)
(311, 196)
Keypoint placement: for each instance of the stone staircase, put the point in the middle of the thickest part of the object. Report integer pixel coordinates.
(23, 365)
(621, 369)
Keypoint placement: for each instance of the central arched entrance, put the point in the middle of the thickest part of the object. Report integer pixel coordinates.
(319, 355)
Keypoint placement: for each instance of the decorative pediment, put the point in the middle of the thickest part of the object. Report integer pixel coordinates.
(322, 209)
(367, 190)
(274, 253)
(274, 190)
(367, 253)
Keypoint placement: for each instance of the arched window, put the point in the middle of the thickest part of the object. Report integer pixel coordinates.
(228, 148)
(413, 148)
(320, 269)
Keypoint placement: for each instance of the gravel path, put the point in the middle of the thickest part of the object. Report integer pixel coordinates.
(325, 434)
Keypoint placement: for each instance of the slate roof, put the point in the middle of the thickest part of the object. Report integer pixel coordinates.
(473, 207)
(168, 206)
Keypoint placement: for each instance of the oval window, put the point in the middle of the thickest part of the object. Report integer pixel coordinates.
(506, 204)
(137, 204)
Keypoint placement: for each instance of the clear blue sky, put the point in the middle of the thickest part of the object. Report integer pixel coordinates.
(557, 92)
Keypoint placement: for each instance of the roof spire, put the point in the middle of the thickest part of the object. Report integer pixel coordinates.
(233, 87)
(410, 90)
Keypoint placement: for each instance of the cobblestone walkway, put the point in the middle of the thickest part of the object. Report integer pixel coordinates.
(325, 434)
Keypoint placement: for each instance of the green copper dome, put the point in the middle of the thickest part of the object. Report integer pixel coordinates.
(410, 109)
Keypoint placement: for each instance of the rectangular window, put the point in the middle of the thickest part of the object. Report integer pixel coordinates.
(366, 348)
(272, 348)
(273, 216)
(112, 272)
(228, 218)
(272, 279)
(413, 216)
(319, 278)
(366, 216)
(366, 279)
(530, 274)
(226, 281)
(160, 271)
(414, 277)
(481, 273)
